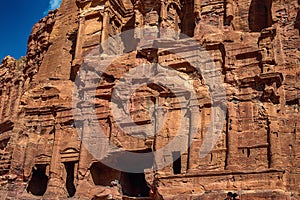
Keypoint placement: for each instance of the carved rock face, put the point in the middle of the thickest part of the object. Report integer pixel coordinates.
(254, 48)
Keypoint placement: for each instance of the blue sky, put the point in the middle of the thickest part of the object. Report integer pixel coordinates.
(16, 20)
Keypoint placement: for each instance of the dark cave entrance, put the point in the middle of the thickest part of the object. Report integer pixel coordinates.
(103, 175)
(39, 181)
(176, 162)
(260, 15)
(70, 166)
(188, 19)
(134, 184)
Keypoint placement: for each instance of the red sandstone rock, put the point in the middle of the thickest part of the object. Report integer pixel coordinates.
(254, 46)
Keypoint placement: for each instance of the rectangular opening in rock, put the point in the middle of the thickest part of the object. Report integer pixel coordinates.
(176, 162)
(260, 15)
(103, 175)
(39, 181)
(188, 20)
(70, 166)
(134, 185)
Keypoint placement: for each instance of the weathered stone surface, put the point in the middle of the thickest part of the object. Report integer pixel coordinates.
(254, 46)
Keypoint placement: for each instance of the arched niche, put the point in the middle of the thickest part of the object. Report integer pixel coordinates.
(70, 158)
(260, 15)
(70, 176)
(188, 19)
(39, 181)
(174, 16)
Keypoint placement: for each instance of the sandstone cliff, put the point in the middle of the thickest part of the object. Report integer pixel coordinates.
(56, 100)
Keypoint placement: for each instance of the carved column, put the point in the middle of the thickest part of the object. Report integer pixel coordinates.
(105, 30)
(139, 19)
(229, 10)
(78, 53)
(194, 123)
(56, 184)
(18, 99)
(84, 153)
(8, 102)
(274, 148)
(273, 131)
(159, 119)
(4, 99)
(197, 7)
(163, 10)
(233, 121)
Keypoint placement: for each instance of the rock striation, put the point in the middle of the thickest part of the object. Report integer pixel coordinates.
(55, 100)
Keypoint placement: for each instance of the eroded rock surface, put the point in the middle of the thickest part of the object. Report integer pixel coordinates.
(47, 113)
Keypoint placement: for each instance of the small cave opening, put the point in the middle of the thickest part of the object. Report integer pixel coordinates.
(134, 185)
(103, 175)
(4, 143)
(176, 162)
(39, 181)
(70, 167)
(248, 152)
(260, 15)
(188, 19)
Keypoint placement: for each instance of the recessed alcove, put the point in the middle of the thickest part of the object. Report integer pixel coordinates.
(188, 18)
(70, 167)
(176, 162)
(103, 175)
(134, 184)
(260, 15)
(39, 181)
